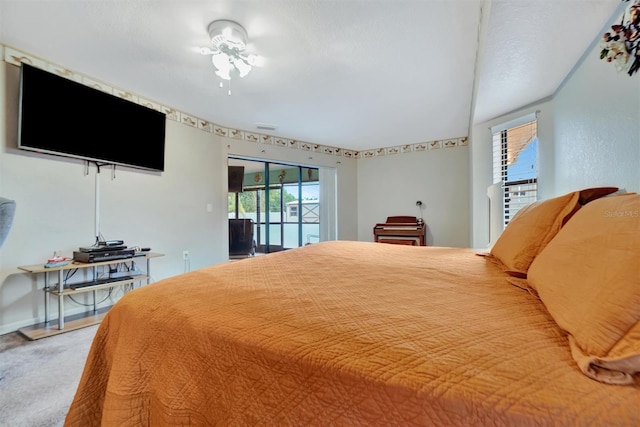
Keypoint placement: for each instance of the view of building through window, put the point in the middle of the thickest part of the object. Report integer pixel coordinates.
(515, 163)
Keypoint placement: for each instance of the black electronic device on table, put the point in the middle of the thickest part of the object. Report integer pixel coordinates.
(111, 243)
(101, 248)
(99, 256)
(142, 252)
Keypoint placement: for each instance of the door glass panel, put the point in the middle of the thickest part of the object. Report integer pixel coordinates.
(291, 215)
(310, 212)
(275, 219)
(261, 219)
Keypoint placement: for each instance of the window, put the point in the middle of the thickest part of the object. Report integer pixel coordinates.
(515, 164)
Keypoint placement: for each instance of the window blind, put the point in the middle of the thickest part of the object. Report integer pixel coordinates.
(515, 163)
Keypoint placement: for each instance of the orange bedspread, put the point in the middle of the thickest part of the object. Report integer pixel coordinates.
(345, 334)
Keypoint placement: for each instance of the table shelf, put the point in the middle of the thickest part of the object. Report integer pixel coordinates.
(69, 291)
(60, 290)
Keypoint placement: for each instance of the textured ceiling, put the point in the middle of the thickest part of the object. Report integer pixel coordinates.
(354, 74)
(531, 46)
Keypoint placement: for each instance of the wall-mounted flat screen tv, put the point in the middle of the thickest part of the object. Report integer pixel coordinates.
(62, 117)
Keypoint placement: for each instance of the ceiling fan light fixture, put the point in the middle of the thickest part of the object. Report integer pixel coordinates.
(229, 40)
(242, 66)
(223, 67)
(224, 31)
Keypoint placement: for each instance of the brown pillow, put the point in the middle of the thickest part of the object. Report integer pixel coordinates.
(531, 229)
(588, 277)
(589, 194)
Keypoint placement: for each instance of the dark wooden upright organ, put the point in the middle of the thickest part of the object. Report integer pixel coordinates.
(401, 230)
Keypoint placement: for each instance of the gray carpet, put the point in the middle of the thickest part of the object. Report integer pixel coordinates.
(39, 378)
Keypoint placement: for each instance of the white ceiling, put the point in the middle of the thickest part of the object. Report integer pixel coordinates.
(355, 74)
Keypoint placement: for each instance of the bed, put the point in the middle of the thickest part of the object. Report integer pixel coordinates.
(349, 333)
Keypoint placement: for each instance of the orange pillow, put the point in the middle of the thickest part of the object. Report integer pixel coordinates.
(531, 229)
(588, 277)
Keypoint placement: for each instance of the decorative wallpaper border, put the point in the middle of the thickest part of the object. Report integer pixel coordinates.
(15, 57)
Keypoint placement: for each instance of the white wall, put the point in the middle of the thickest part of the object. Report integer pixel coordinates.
(167, 212)
(390, 185)
(597, 128)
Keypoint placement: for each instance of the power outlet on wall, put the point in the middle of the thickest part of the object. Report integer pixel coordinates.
(185, 255)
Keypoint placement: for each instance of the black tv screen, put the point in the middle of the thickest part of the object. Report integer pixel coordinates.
(63, 117)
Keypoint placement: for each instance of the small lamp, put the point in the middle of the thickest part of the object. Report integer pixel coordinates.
(419, 205)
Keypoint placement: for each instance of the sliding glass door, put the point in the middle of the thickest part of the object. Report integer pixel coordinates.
(282, 200)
